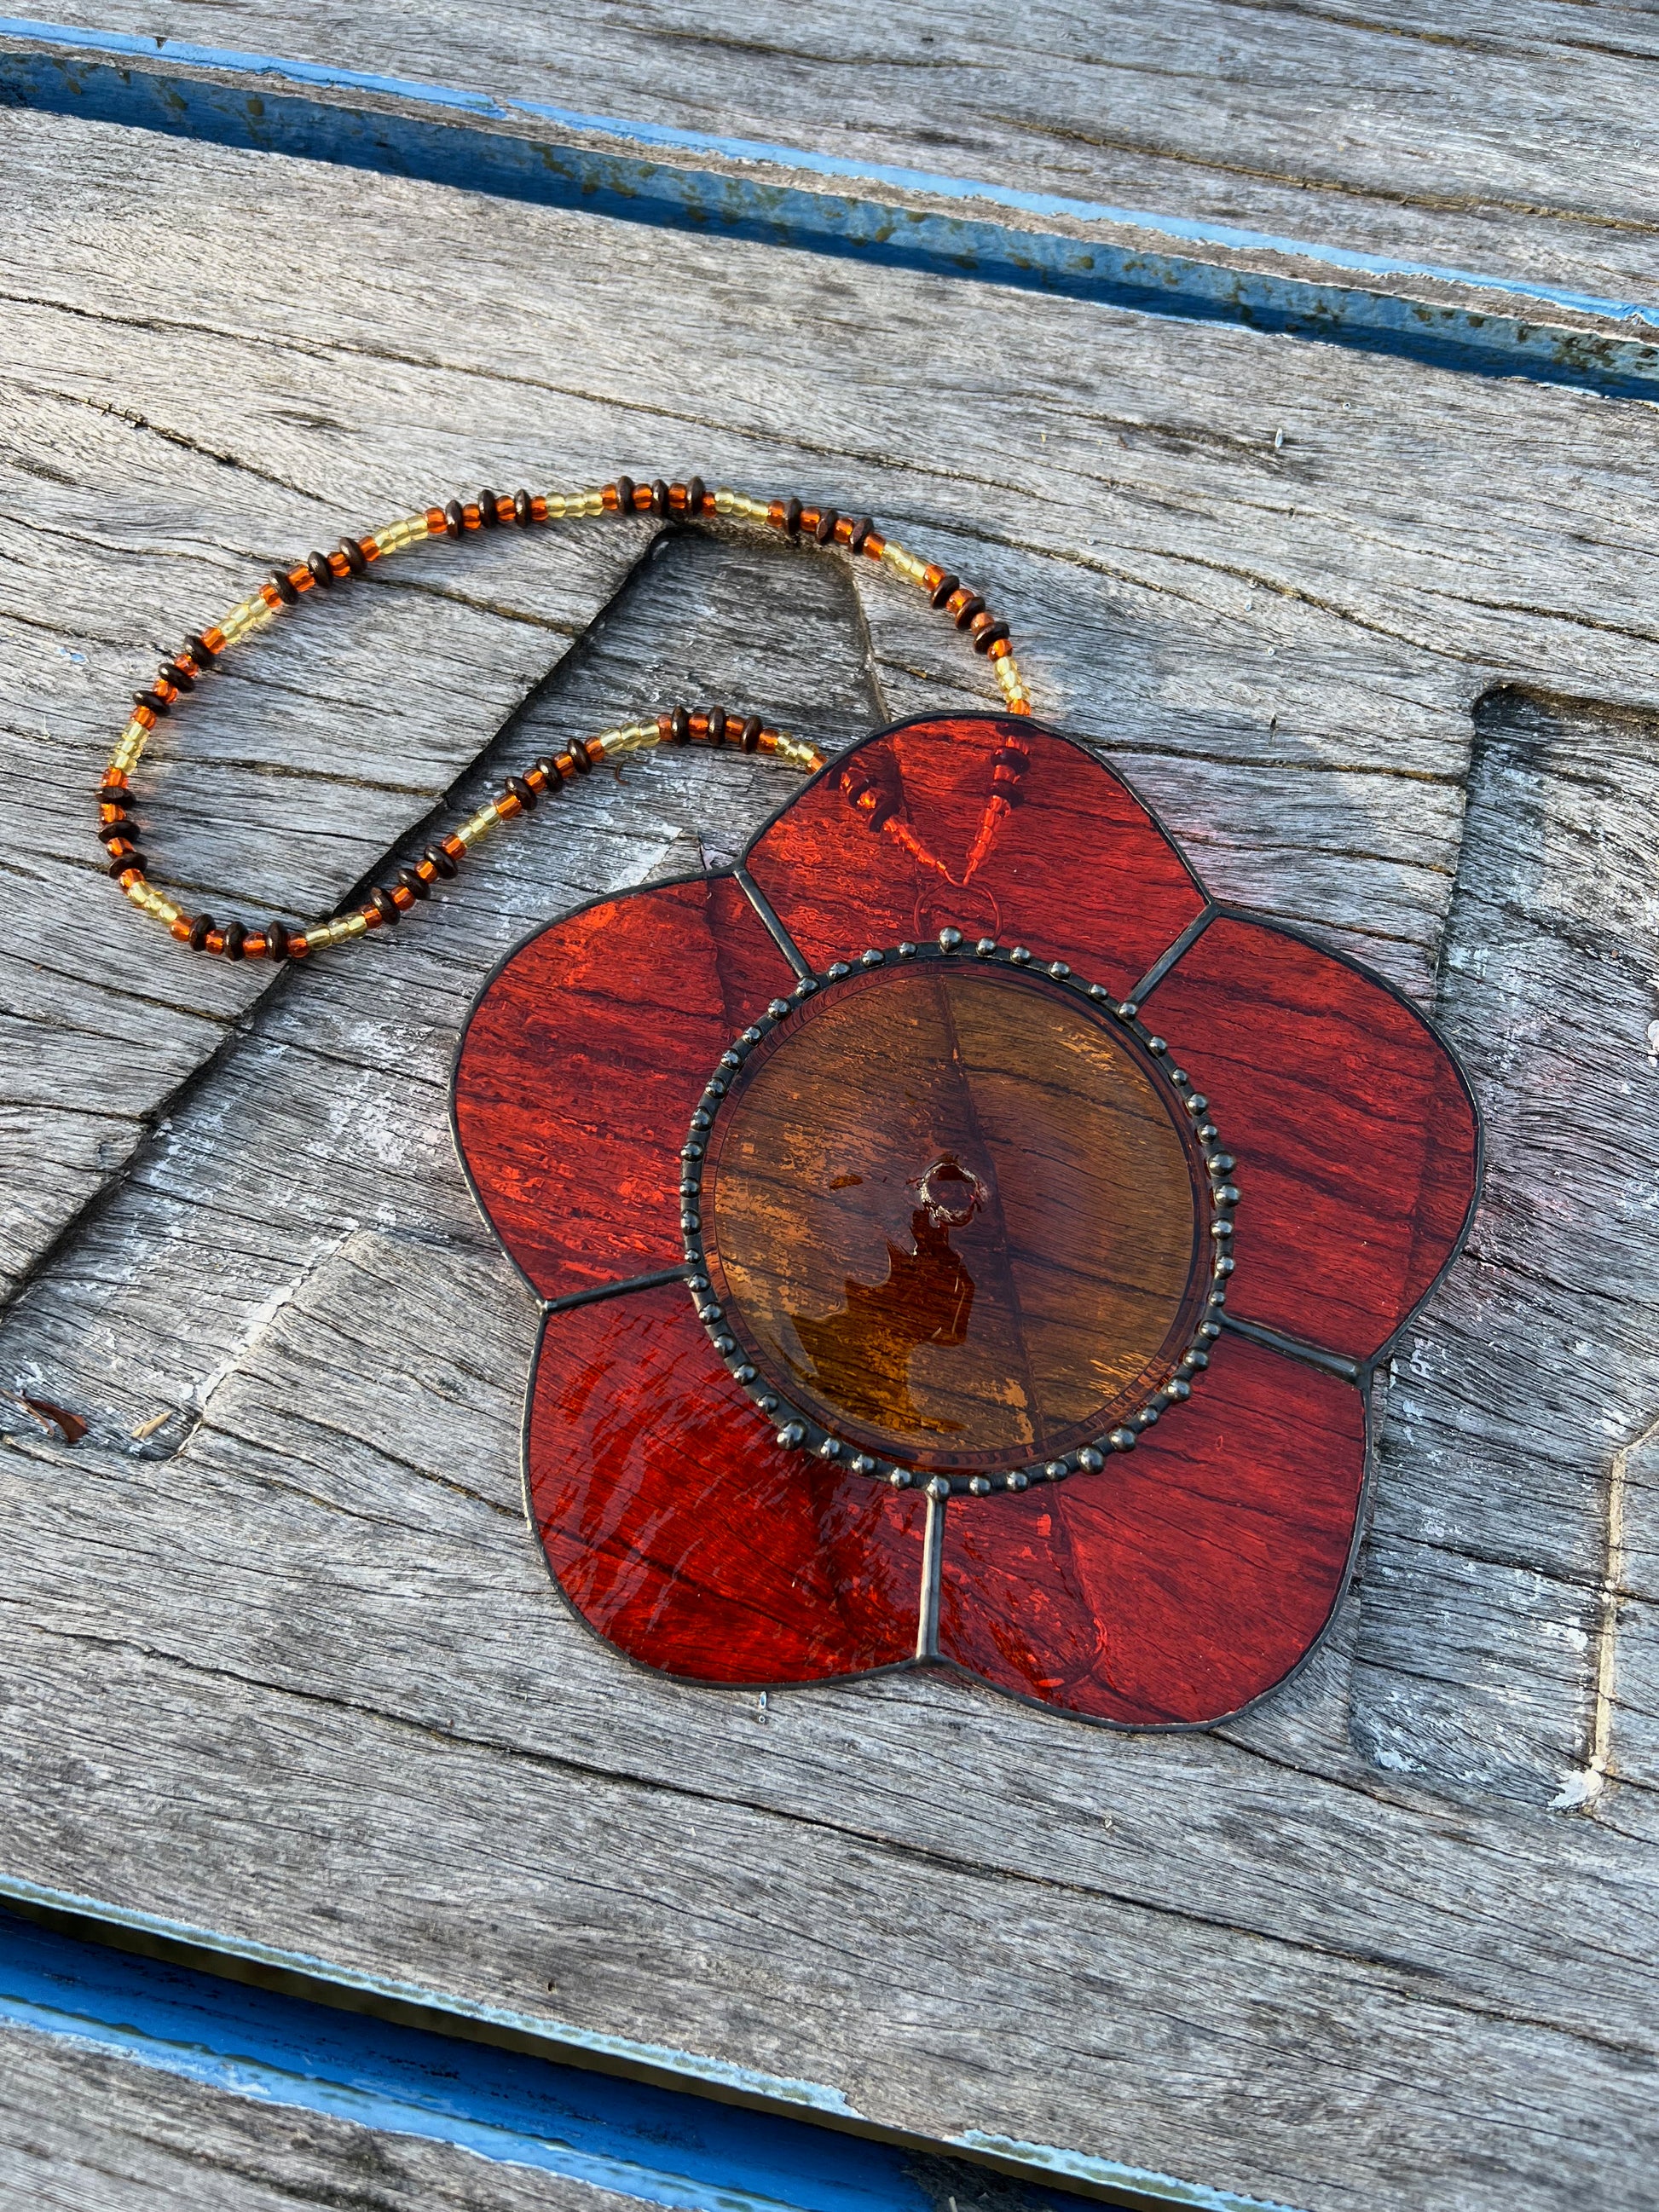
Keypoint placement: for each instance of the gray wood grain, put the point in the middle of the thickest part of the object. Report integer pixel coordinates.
(1535, 1374)
(290, 1665)
(160, 2140)
(1512, 140)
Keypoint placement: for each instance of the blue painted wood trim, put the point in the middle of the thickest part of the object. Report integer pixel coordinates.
(666, 2128)
(626, 170)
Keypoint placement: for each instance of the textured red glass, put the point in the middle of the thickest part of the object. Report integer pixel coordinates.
(681, 1533)
(952, 1215)
(1189, 1577)
(582, 1064)
(877, 850)
(1355, 1135)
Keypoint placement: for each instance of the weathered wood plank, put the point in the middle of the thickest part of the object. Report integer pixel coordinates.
(1512, 141)
(1489, 1556)
(299, 1633)
(162, 2140)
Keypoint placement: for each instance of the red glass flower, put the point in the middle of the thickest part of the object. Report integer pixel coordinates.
(962, 1242)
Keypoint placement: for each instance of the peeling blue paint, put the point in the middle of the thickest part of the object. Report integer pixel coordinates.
(464, 139)
(663, 2126)
(658, 2145)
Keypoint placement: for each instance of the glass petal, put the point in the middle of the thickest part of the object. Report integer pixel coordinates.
(908, 832)
(681, 1533)
(1189, 1577)
(581, 1065)
(1354, 1131)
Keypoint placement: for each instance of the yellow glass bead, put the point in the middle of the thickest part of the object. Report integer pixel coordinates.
(631, 740)
(902, 563)
(482, 823)
(252, 614)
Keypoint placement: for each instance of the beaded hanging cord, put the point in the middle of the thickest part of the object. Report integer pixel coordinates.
(546, 777)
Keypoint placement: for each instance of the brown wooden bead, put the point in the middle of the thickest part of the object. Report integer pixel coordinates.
(522, 792)
(994, 632)
(200, 930)
(751, 732)
(118, 829)
(696, 493)
(454, 519)
(414, 882)
(942, 589)
(489, 513)
(235, 940)
(524, 512)
(200, 651)
(824, 529)
(548, 769)
(679, 724)
(381, 903)
(276, 941)
(129, 860)
(353, 556)
(659, 504)
(581, 759)
(150, 699)
(181, 679)
(971, 606)
(619, 496)
(716, 721)
(284, 590)
(441, 860)
(791, 514)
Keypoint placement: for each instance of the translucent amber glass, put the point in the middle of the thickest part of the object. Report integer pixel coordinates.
(953, 1214)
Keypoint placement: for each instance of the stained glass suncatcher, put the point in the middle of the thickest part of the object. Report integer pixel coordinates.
(963, 1243)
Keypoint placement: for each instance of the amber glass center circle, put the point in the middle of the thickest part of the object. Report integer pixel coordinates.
(953, 1214)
